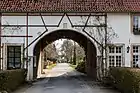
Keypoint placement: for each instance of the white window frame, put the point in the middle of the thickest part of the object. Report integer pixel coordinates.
(132, 64)
(135, 27)
(4, 56)
(122, 54)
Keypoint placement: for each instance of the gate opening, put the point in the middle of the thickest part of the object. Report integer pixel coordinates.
(82, 40)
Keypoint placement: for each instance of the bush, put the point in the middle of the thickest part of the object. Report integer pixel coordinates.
(11, 79)
(127, 80)
(81, 67)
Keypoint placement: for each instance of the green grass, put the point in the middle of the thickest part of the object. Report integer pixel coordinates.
(51, 66)
(73, 66)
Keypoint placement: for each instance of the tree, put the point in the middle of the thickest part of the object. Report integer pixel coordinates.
(50, 54)
(80, 53)
(102, 35)
(72, 52)
(66, 49)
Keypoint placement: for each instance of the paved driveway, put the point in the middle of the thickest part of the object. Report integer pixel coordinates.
(63, 79)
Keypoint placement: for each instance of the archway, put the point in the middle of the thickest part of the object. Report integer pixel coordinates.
(81, 39)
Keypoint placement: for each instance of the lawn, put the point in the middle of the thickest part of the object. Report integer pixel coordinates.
(51, 66)
(73, 66)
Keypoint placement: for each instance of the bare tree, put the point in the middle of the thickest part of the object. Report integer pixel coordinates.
(104, 36)
(50, 51)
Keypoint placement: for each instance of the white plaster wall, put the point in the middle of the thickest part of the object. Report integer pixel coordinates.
(120, 22)
(34, 31)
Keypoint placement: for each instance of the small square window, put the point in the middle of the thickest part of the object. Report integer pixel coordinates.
(118, 50)
(11, 54)
(64, 25)
(11, 60)
(135, 49)
(17, 54)
(111, 49)
(10, 65)
(17, 64)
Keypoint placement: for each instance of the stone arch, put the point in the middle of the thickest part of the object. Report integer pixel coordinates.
(80, 38)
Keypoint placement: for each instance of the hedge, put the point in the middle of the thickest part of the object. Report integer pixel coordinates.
(11, 79)
(127, 80)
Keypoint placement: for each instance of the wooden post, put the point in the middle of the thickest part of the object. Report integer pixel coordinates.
(105, 45)
(27, 40)
(0, 42)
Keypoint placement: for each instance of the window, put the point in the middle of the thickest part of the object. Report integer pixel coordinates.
(64, 25)
(115, 56)
(13, 57)
(136, 54)
(111, 61)
(136, 24)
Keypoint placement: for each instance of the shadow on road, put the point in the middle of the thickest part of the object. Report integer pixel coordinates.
(64, 79)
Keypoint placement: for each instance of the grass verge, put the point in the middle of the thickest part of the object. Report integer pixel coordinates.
(51, 66)
(73, 66)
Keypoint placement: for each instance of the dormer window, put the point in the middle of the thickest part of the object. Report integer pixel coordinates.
(136, 25)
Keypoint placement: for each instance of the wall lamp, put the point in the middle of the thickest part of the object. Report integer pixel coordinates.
(128, 49)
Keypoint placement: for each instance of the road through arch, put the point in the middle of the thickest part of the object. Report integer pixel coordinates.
(81, 39)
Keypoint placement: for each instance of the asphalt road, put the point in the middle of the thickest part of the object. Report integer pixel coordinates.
(63, 79)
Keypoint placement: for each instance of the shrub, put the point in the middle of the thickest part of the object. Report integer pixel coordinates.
(11, 79)
(127, 80)
(81, 67)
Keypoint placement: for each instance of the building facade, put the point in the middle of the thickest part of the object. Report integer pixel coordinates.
(122, 17)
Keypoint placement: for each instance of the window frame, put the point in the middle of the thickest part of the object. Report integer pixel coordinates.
(136, 54)
(13, 57)
(5, 53)
(117, 54)
(132, 24)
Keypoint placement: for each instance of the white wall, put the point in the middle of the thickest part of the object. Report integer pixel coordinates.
(33, 31)
(120, 23)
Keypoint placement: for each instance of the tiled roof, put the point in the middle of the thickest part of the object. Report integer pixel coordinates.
(70, 5)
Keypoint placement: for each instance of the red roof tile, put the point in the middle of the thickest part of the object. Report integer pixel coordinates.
(70, 5)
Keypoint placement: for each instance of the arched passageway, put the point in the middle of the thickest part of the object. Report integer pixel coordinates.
(81, 39)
